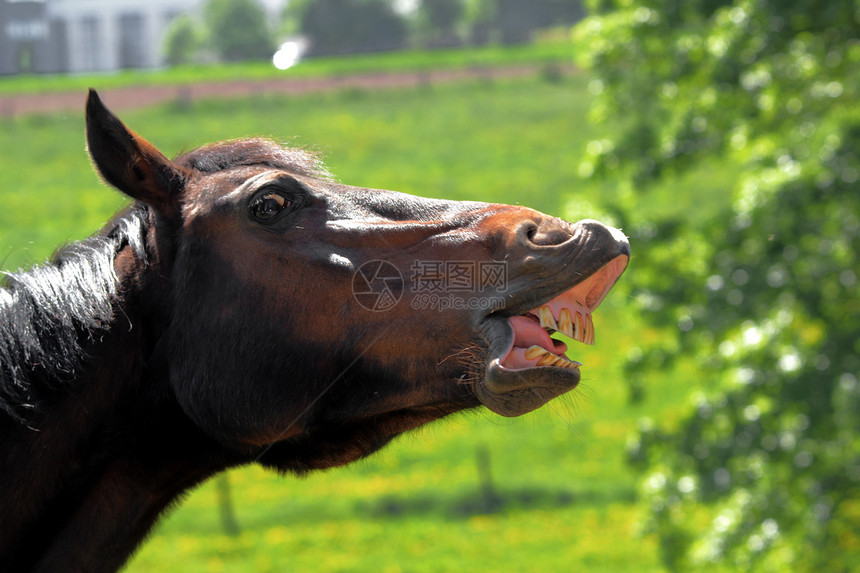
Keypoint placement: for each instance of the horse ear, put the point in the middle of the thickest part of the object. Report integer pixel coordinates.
(129, 162)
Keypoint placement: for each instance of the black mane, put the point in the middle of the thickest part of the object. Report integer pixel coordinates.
(49, 310)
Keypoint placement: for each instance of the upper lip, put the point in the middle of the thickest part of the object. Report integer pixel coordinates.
(529, 302)
(544, 274)
(549, 272)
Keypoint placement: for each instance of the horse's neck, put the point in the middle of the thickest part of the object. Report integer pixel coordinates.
(83, 481)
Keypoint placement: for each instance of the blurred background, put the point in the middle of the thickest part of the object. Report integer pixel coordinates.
(718, 423)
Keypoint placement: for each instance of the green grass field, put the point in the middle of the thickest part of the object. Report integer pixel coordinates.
(550, 52)
(568, 502)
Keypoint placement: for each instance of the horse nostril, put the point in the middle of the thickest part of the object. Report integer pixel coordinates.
(548, 233)
(542, 232)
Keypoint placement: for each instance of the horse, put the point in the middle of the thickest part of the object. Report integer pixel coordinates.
(248, 308)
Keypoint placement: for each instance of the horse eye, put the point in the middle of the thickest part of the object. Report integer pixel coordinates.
(268, 206)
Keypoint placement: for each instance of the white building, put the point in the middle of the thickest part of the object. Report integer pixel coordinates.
(115, 34)
(85, 35)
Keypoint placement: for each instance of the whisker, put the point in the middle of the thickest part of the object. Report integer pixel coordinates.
(467, 351)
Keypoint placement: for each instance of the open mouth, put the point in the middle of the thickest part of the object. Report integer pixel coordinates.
(527, 367)
(569, 313)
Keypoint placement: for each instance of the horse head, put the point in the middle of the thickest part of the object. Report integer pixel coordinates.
(308, 322)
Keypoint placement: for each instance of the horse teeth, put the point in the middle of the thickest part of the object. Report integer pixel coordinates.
(589, 325)
(560, 362)
(579, 325)
(534, 351)
(547, 320)
(582, 327)
(565, 324)
(545, 358)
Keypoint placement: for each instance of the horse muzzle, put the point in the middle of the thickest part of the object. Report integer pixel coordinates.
(562, 272)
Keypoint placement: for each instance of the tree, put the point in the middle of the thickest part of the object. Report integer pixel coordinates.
(181, 41)
(238, 29)
(479, 18)
(516, 20)
(763, 470)
(438, 21)
(349, 26)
